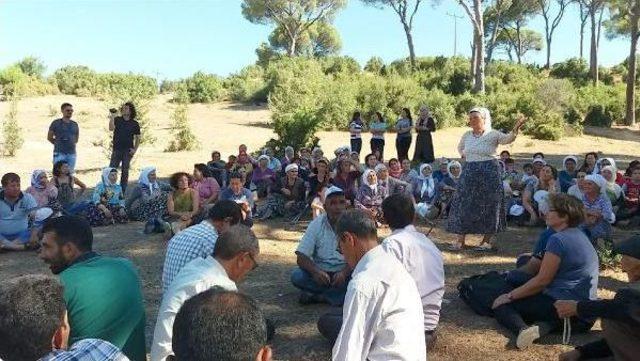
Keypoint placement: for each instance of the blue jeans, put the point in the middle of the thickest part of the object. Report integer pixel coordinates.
(22, 236)
(69, 158)
(304, 281)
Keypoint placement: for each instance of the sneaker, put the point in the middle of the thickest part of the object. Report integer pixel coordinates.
(527, 336)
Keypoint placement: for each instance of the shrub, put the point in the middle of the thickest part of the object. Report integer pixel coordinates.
(76, 80)
(169, 86)
(204, 88)
(32, 66)
(335, 65)
(248, 85)
(14, 82)
(11, 131)
(295, 129)
(575, 69)
(337, 102)
(375, 65)
(442, 107)
(183, 137)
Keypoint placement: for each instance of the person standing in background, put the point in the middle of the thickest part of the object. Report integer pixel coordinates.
(63, 134)
(424, 143)
(403, 138)
(126, 139)
(377, 126)
(355, 131)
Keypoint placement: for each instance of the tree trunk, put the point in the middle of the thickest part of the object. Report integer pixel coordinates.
(479, 79)
(473, 56)
(548, 65)
(412, 53)
(630, 117)
(593, 60)
(291, 51)
(582, 40)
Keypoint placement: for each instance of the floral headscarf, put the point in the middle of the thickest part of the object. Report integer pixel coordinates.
(35, 183)
(105, 176)
(144, 179)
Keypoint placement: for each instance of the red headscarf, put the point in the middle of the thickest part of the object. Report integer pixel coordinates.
(395, 169)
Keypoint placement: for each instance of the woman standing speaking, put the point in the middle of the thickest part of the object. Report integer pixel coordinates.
(478, 204)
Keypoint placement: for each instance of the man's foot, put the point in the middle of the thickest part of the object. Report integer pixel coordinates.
(307, 298)
(527, 336)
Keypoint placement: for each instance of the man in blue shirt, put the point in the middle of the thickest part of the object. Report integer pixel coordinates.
(64, 134)
(15, 209)
(238, 193)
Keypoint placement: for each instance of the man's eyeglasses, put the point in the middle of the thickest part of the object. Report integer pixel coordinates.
(255, 263)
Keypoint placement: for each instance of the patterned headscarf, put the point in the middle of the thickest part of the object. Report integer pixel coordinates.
(35, 183)
(105, 176)
(144, 178)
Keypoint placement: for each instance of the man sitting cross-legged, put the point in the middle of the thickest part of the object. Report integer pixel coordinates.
(233, 258)
(15, 209)
(222, 326)
(198, 241)
(103, 294)
(322, 275)
(34, 324)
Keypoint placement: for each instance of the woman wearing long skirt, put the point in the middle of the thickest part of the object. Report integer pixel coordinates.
(425, 124)
(478, 205)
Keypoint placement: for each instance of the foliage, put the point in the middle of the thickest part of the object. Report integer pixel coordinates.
(12, 139)
(32, 66)
(14, 82)
(183, 137)
(203, 88)
(76, 80)
(295, 129)
(375, 65)
(574, 69)
(248, 85)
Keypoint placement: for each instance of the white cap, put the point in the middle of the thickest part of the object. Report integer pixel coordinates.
(332, 190)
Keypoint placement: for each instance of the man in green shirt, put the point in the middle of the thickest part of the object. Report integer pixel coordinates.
(103, 294)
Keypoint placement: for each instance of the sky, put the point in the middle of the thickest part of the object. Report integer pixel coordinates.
(174, 39)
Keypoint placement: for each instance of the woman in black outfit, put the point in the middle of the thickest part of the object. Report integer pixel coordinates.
(424, 144)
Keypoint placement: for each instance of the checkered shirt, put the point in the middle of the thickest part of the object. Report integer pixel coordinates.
(195, 241)
(90, 349)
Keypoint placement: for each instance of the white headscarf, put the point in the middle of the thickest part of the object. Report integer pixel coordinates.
(105, 176)
(599, 181)
(365, 179)
(599, 165)
(486, 115)
(428, 184)
(291, 166)
(144, 179)
(34, 178)
(564, 161)
(612, 186)
(454, 163)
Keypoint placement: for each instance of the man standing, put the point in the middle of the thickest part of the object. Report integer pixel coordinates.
(126, 139)
(103, 294)
(234, 257)
(322, 275)
(383, 317)
(63, 134)
(420, 257)
(220, 325)
(34, 324)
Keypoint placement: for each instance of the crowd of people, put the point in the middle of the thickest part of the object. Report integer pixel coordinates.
(385, 296)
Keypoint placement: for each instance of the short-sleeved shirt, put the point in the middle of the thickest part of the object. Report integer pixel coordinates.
(87, 350)
(124, 132)
(104, 301)
(65, 136)
(403, 123)
(577, 276)
(14, 217)
(355, 129)
(378, 127)
(206, 188)
(320, 244)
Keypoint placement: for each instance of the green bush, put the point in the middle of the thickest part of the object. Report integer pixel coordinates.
(204, 88)
(442, 107)
(12, 139)
(14, 82)
(183, 137)
(76, 80)
(375, 65)
(335, 65)
(575, 70)
(337, 102)
(249, 85)
(295, 129)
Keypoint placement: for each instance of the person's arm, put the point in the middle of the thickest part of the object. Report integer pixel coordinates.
(360, 318)
(97, 194)
(112, 121)
(431, 125)
(307, 264)
(511, 136)
(171, 206)
(161, 346)
(77, 131)
(548, 269)
(136, 144)
(79, 183)
(195, 203)
(624, 307)
(527, 204)
(461, 146)
(51, 137)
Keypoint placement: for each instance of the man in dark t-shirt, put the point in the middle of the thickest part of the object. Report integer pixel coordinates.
(63, 134)
(126, 139)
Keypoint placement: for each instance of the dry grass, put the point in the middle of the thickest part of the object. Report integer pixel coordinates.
(463, 335)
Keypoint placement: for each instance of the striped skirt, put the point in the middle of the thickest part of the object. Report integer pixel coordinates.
(478, 205)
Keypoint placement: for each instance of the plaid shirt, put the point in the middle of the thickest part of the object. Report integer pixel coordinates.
(195, 241)
(90, 349)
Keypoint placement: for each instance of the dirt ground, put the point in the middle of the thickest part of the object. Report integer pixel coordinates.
(462, 334)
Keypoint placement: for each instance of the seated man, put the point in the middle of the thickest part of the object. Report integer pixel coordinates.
(238, 193)
(420, 257)
(198, 241)
(15, 209)
(383, 317)
(34, 324)
(322, 275)
(233, 258)
(620, 316)
(202, 328)
(103, 294)
(391, 185)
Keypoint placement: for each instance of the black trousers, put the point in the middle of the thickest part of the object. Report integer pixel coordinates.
(121, 156)
(377, 144)
(356, 145)
(402, 146)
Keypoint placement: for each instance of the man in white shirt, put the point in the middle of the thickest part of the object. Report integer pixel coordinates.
(420, 257)
(383, 318)
(233, 258)
(322, 274)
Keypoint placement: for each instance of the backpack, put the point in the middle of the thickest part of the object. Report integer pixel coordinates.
(479, 291)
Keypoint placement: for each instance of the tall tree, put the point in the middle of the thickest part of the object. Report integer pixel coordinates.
(595, 10)
(322, 39)
(493, 21)
(584, 16)
(518, 42)
(551, 21)
(475, 12)
(294, 17)
(625, 21)
(406, 11)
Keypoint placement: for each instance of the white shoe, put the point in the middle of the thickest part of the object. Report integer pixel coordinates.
(527, 336)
